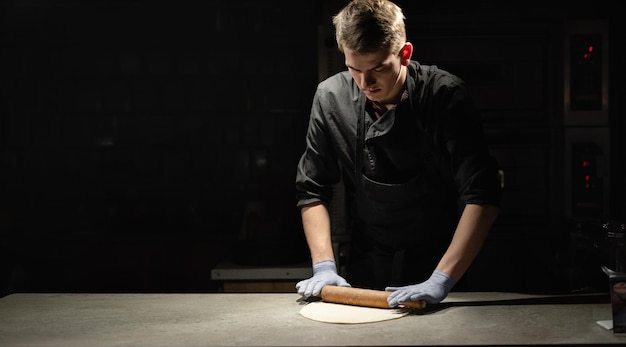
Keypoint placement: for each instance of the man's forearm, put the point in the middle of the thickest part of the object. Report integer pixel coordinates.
(469, 237)
(316, 224)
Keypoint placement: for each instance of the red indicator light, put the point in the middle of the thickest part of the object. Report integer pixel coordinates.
(590, 49)
(586, 163)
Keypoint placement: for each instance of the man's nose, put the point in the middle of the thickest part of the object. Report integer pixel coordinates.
(367, 79)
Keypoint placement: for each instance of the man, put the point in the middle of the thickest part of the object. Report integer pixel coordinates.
(410, 149)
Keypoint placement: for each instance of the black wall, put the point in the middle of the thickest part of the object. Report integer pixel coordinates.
(143, 142)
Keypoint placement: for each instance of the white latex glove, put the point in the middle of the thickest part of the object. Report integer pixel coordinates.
(324, 273)
(433, 290)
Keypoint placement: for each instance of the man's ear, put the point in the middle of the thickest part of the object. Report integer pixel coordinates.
(406, 53)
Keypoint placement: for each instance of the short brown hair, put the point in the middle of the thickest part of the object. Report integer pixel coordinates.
(368, 26)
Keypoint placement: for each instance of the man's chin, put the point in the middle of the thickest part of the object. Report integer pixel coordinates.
(373, 96)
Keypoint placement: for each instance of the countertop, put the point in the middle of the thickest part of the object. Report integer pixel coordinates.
(272, 319)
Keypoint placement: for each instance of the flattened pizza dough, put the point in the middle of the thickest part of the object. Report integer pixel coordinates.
(347, 314)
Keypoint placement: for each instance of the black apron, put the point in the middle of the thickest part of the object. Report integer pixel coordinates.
(401, 230)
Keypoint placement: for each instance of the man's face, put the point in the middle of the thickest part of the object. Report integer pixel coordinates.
(379, 75)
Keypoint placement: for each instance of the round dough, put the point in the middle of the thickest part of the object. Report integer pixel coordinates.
(329, 312)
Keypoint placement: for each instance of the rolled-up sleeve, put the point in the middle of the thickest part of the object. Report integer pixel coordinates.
(318, 169)
(474, 170)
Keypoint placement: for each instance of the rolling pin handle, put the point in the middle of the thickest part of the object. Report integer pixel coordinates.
(414, 304)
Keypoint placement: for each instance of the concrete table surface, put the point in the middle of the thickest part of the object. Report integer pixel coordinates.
(257, 319)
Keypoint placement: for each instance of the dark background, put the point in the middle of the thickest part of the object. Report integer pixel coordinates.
(142, 142)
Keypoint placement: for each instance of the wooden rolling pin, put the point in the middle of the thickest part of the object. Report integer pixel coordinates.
(362, 297)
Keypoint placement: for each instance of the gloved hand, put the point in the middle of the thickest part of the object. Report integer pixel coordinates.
(433, 290)
(324, 273)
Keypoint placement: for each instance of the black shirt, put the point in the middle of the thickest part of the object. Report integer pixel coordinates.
(437, 119)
